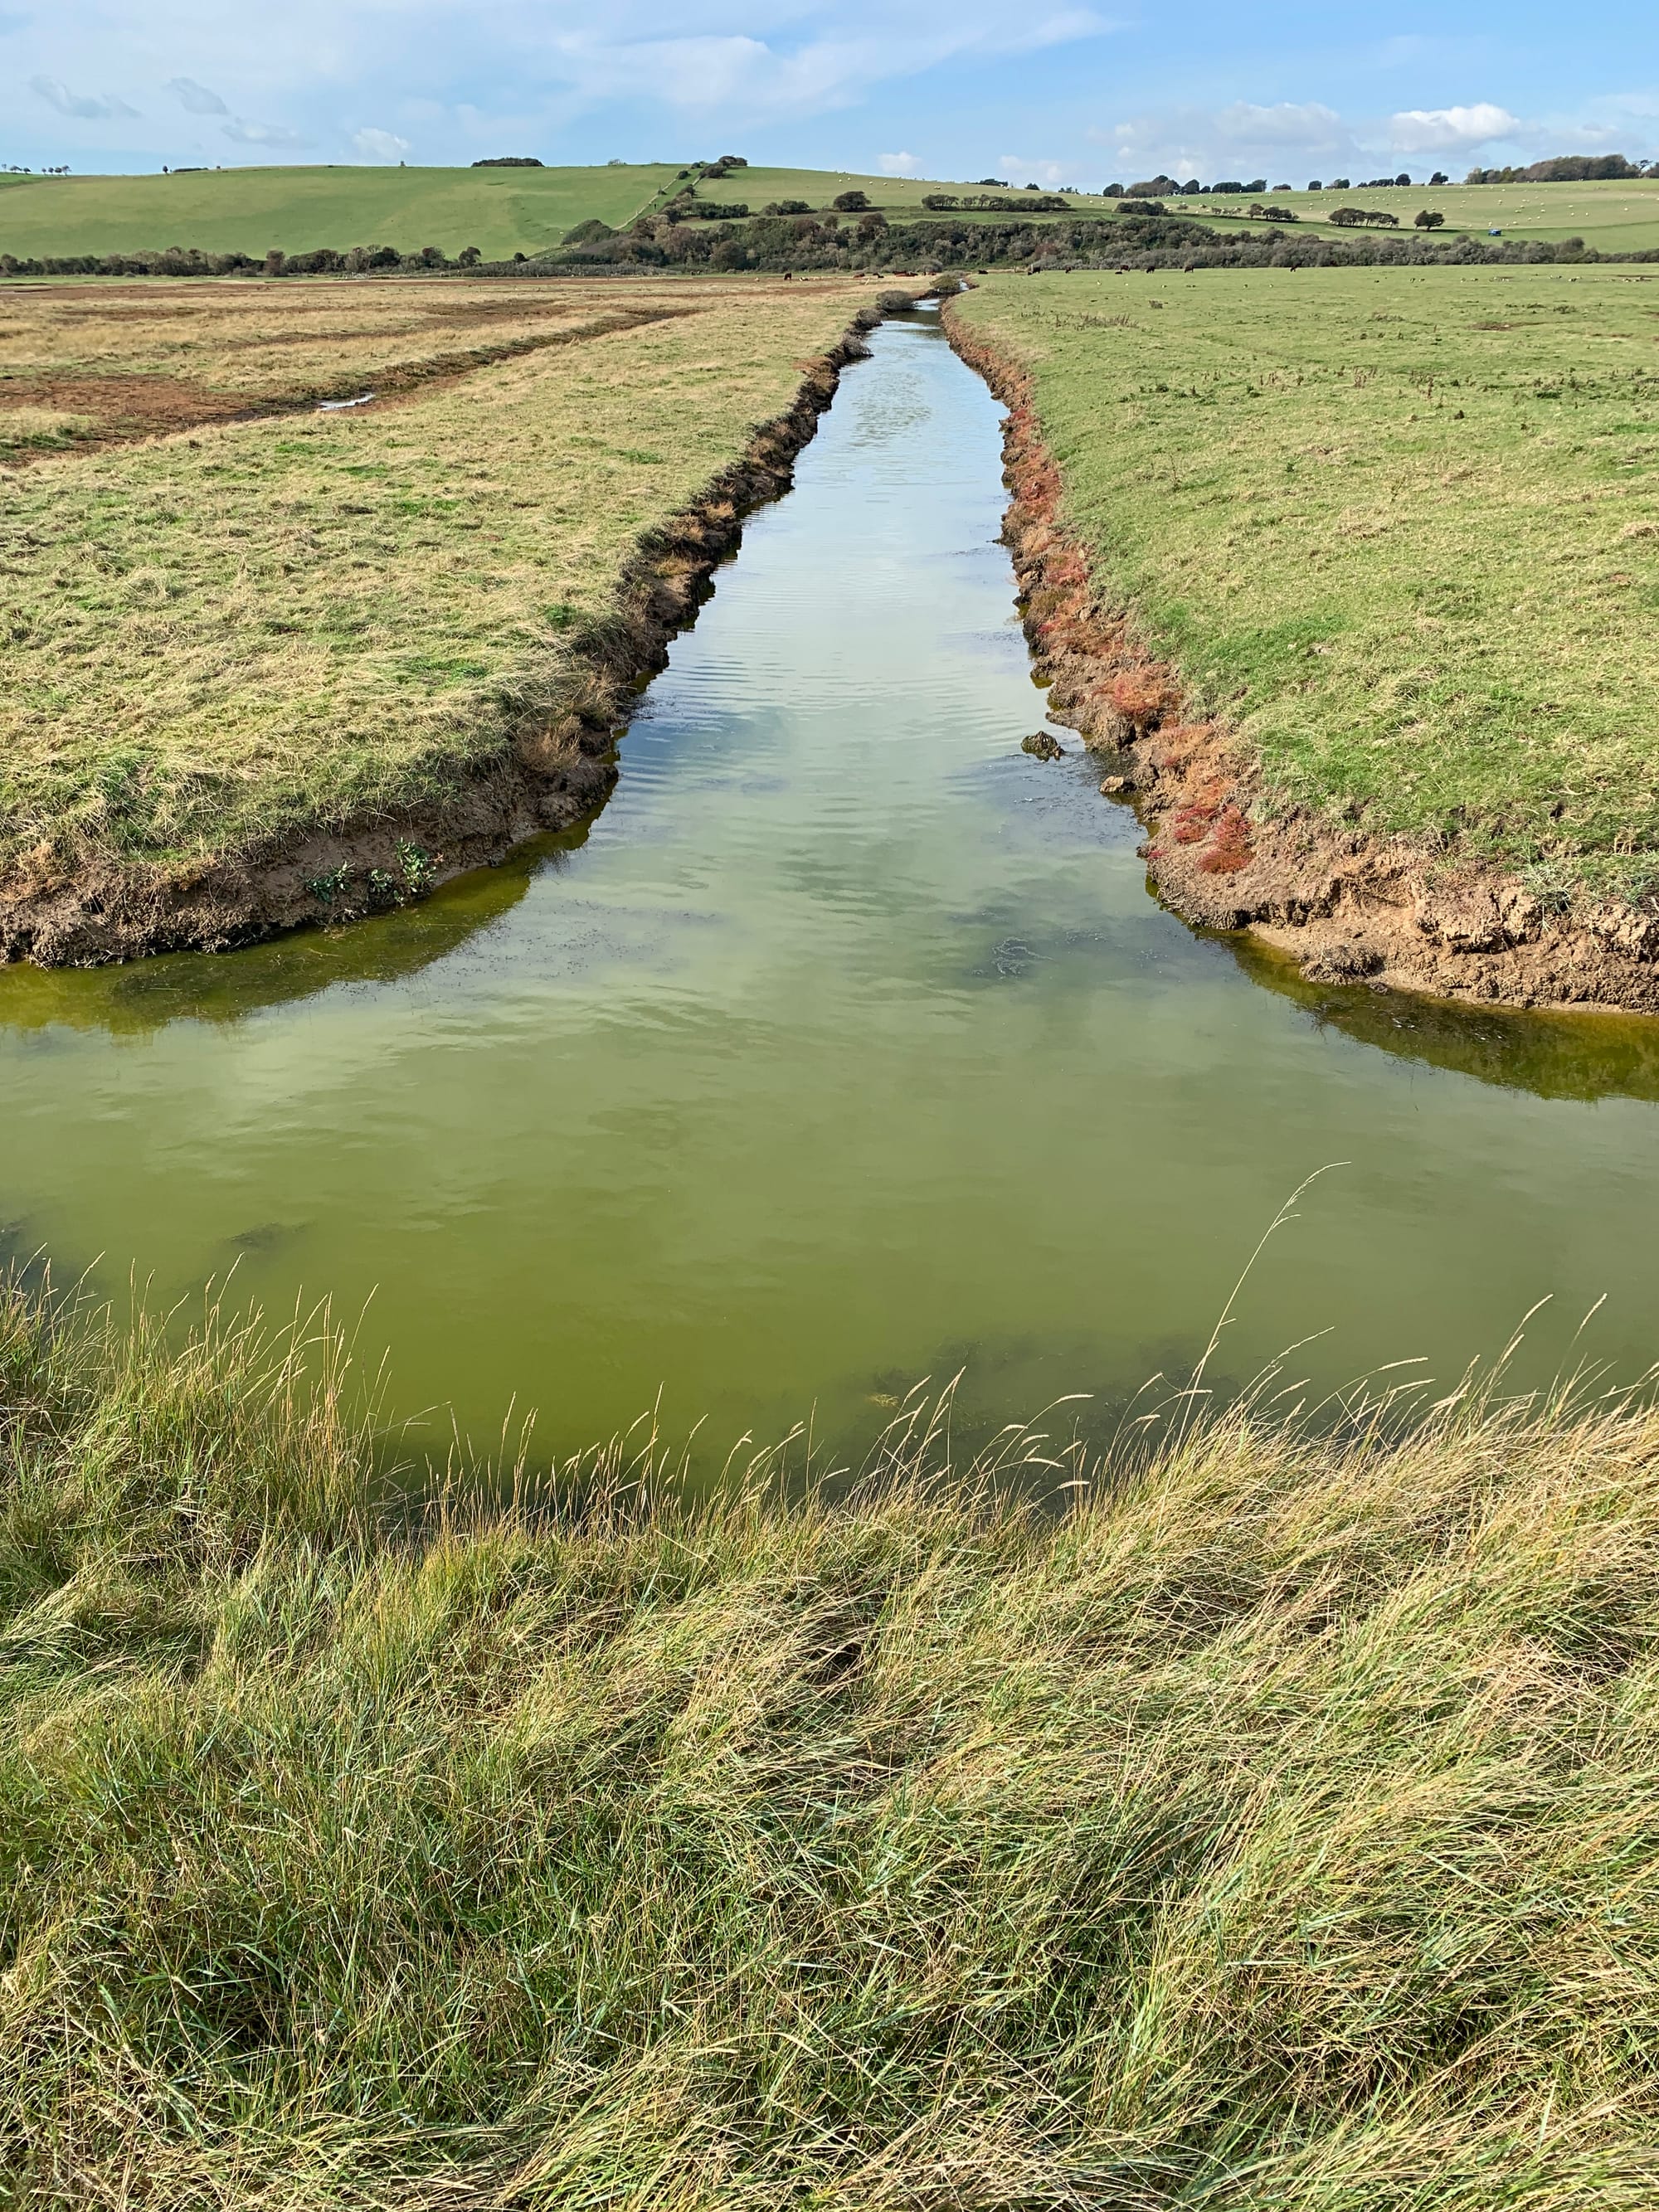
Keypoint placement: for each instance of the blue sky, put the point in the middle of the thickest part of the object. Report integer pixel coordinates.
(1050, 91)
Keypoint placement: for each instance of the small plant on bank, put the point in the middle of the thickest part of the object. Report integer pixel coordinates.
(326, 889)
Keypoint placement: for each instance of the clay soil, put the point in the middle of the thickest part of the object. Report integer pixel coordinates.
(1349, 907)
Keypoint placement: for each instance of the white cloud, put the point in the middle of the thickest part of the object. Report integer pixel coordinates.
(1440, 130)
(898, 165)
(57, 95)
(196, 97)
(264, 134)
(381, 145)
(1023, 170)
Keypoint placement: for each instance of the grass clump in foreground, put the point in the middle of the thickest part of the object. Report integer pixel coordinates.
(1401, 528)
(1277, 1825)
(216, 640)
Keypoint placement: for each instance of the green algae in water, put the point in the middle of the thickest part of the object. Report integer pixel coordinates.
(845, 1046)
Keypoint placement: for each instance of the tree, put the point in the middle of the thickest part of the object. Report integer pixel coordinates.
(1439, 178)
(1428, 220)
(853, 202)
(1314, 185)
(1402, 178)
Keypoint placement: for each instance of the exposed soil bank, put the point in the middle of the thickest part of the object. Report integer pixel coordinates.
(1349, 906)
(550, 774)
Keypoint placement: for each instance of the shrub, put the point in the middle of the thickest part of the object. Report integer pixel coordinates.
(1428, 219)
(853, 202)
(508, 161)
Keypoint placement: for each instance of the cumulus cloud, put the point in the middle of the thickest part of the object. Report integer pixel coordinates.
(381, 145)
(898, 165)
(264, 134)
(57, 95)
(1440, 129)
(196, 97)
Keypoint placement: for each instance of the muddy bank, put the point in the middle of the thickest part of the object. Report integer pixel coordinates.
(1348, 907)
(552, 771)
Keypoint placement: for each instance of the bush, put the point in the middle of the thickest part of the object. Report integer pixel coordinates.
(508, 161)
(1428, 219)
(853, 202)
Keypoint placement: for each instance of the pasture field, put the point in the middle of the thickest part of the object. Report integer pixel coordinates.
(501, 211)
(1614, 217)
(508, 211)
(1271, 1825)
(242, 628)
(115, 362)
(1399, 527)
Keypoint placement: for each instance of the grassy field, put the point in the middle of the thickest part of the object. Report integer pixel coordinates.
(504, 211)
(501, 211)
(154, 356)
(1271, 1822)
(1615, 218)
(213, 637)
(1422, 578)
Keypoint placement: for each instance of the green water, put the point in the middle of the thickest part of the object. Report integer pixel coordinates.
(845, 1047)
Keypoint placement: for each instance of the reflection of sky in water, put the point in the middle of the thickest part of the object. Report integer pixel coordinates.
(845, 1046)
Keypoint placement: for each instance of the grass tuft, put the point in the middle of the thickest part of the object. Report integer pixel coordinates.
(1271, 1820)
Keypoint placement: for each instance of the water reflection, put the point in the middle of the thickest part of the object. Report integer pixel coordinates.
(1584, 1055)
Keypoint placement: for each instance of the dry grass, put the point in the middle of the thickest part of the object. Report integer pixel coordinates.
(1401, 527)
(278, 342)
(214, 638)
(1273, 1825)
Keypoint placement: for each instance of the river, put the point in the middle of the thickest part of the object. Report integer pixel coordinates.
(845, 1047)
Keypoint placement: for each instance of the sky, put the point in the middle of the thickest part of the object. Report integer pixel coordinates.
(1048, 92)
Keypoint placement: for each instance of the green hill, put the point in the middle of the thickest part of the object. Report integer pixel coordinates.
(1615, 217)
(501, 211)
(508, 211)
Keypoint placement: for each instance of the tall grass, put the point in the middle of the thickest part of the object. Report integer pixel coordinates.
(1273, 1821)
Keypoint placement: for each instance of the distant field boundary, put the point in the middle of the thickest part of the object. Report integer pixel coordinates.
(773, 245)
